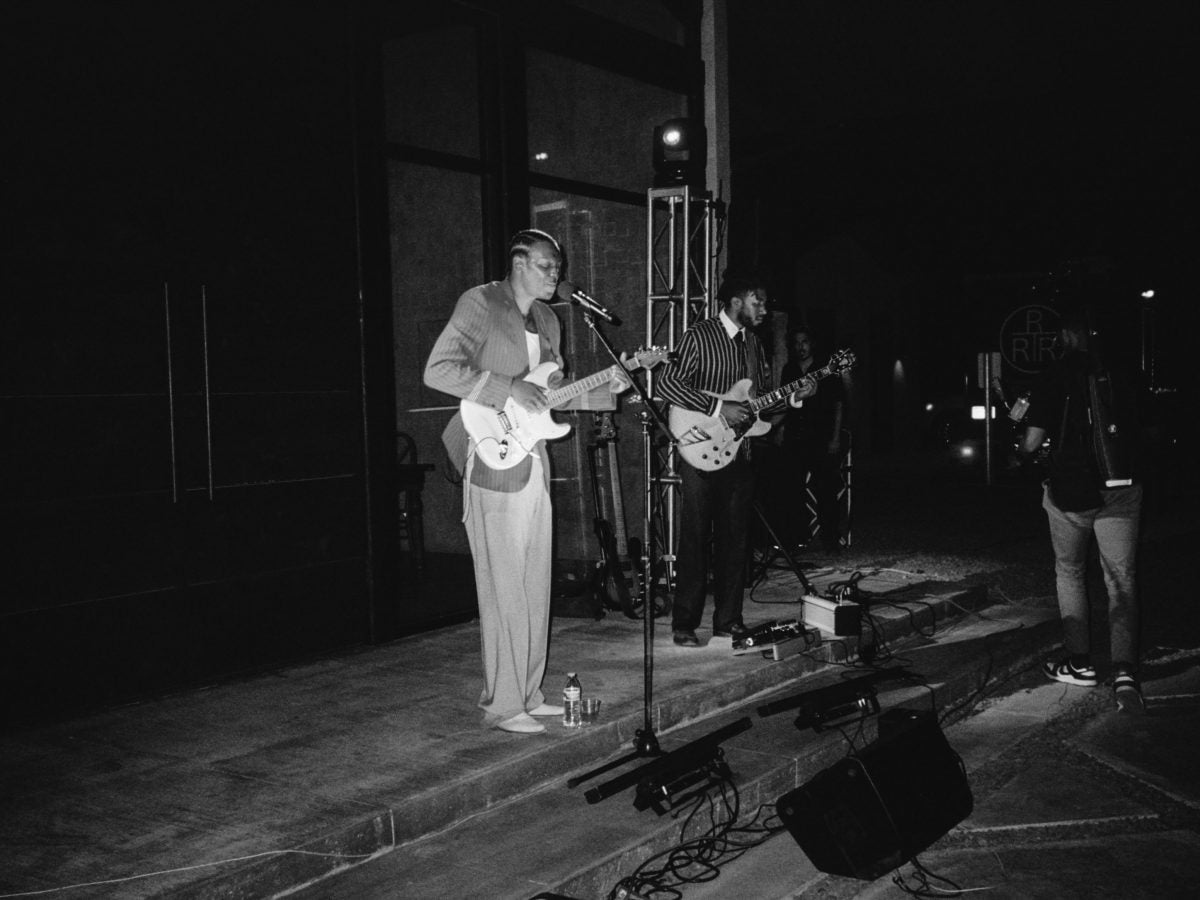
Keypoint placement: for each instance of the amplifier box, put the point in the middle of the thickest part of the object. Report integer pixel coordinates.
(841, 619)
(870, 812)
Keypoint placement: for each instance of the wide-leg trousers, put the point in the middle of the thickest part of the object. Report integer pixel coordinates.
(510, 537)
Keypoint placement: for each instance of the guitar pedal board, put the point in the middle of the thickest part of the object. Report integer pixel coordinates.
(777, 640)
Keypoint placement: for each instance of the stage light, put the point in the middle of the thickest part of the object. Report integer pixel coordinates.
(1148, 295)
(680, 153)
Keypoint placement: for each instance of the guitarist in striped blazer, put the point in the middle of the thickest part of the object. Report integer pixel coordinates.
(713, 355)
(497, 334)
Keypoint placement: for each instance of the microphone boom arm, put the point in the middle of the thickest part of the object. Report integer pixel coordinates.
(572, 294)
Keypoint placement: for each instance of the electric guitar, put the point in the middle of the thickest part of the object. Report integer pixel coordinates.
(707, 443)
(506, 436)
(610, 516)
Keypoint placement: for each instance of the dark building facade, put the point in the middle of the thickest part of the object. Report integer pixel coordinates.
(235, 231)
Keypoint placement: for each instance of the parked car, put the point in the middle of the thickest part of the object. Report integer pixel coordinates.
(956, 435)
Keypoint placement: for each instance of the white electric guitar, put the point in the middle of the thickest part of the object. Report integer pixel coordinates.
(706, 442)
(504, 437)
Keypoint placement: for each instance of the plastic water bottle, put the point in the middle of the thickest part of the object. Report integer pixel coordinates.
(572, 702)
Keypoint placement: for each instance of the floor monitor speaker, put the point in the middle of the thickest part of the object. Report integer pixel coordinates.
(867, 814)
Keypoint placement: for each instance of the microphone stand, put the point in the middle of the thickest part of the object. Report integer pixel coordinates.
(645, 742)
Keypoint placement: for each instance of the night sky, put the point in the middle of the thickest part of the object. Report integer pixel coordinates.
(953, 140)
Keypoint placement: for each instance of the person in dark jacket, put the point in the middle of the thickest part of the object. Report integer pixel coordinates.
(1087, 408)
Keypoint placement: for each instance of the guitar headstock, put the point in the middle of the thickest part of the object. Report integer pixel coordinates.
(841, 361)
(646, 358)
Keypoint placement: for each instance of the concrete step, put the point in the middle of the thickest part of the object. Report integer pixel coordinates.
(357, 773)
(535, 834)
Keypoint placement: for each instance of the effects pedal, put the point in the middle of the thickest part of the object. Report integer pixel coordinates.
(777, 640)
(840, 618)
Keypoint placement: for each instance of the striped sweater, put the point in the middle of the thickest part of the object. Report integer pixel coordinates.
(708, 359)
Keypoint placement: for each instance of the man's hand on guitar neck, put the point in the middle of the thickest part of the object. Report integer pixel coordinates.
(796, 398)
(620, 382)
(529, 396)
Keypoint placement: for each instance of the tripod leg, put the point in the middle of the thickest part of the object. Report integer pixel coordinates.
(804, 582)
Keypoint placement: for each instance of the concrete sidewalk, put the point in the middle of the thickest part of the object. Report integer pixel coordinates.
(1072, 799)
(367, 775)
(253, 788)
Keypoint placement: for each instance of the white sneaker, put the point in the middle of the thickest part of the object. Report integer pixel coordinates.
(1068, 673)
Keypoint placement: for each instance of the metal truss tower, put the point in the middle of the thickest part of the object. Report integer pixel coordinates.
(681, 232)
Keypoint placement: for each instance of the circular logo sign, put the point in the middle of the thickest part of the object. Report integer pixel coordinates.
(1029, 338)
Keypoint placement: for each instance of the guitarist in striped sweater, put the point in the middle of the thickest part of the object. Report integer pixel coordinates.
(715, 502)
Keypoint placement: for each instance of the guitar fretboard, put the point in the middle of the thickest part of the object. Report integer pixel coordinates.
(582, 386)
(781, 393)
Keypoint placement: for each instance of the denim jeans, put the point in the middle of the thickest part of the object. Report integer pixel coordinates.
(1115, 524)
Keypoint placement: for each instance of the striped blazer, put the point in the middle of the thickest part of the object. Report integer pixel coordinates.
(707, 359)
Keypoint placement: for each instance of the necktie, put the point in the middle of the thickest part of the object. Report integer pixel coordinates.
(744, 353)
(752, 366)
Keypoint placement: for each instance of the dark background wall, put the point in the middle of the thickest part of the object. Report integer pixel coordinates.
(235, 231)
(184, 486)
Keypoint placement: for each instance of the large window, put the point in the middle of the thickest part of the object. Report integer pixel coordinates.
(593, 126)
(435, 217)
(457, 186)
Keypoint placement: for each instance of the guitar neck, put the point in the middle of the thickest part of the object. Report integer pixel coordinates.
(781, 393)
(618, 504)
(582, 386)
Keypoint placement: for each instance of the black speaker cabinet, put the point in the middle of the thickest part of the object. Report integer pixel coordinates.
(867, 814)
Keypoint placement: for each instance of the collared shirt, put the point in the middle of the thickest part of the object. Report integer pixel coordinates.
(731, 327)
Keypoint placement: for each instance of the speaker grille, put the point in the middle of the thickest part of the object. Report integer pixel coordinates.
(866, 814)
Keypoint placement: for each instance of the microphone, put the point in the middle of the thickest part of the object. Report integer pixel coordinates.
(572, 294)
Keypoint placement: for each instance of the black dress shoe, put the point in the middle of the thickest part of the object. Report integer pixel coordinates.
(737, 631)
(686, 638)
